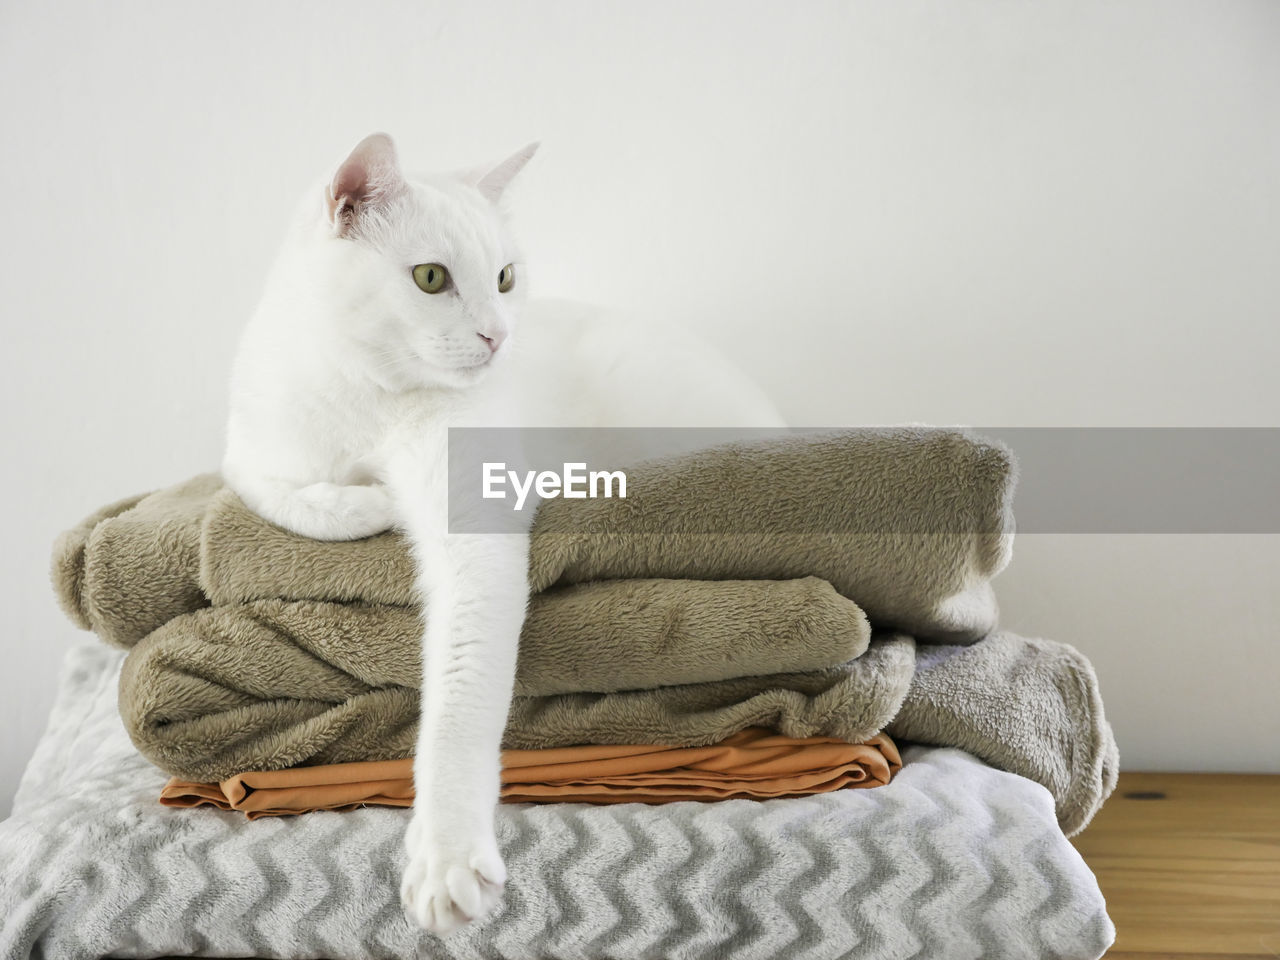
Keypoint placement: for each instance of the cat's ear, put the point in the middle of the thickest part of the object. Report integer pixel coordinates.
(369, 176)
(493, 181)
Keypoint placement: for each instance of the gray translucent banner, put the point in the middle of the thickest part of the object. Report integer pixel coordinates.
(1062, 480)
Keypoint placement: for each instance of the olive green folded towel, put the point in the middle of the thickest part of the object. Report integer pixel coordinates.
(911, 524)
(272, 684)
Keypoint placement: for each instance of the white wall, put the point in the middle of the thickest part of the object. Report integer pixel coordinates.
(1018, 214)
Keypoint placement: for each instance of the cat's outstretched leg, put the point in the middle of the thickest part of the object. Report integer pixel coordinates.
(475, 588)
(322, 511)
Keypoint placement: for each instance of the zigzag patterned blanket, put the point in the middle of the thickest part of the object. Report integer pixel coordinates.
(952, 860)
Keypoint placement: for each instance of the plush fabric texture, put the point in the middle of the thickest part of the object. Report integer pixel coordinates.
(612, 635)
(134, 565)
(273, 684)
(952, 859)
(753, 764)
(1028, 705)
(909, 523)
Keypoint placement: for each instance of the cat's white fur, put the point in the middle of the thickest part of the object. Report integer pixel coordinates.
(347, 379)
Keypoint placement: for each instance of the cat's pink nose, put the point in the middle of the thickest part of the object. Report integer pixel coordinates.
(494, 340)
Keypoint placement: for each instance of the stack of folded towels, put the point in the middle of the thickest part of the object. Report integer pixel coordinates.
(754, 621)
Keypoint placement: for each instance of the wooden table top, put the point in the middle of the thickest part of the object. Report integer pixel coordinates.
(1190, 865)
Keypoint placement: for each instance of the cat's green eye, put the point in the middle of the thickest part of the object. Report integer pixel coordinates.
(506, 278)
(430, 277)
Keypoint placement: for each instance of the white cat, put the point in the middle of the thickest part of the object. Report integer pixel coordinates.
(390, 316)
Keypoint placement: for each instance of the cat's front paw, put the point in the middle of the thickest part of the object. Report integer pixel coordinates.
(448, 885)
(340, 512)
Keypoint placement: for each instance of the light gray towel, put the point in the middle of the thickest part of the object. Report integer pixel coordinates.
(1026, 705)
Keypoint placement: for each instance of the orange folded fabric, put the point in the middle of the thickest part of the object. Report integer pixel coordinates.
(753, 764)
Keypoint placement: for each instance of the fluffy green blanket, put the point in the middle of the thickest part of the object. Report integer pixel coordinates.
(909, 524)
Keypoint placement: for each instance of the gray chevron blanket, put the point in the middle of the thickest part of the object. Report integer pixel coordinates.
(953, 860)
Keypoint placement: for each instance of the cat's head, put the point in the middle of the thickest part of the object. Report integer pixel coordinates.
(425, 269)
